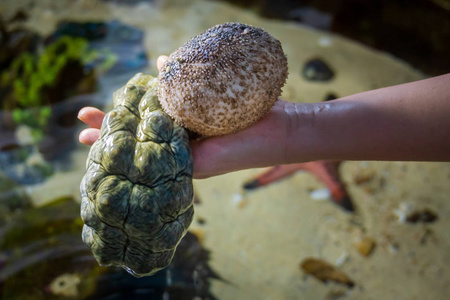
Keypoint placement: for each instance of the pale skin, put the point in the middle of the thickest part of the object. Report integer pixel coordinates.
(408, 122)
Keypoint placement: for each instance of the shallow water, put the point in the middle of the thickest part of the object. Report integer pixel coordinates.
(242, 245)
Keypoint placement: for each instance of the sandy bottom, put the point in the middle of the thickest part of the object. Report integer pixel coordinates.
(258, 239)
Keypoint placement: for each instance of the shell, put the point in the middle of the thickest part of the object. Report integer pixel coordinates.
(223, 80)
(137, 195)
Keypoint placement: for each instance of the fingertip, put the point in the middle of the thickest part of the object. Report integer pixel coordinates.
(91, 116)
(89, 136)
(82, 137)
(81, 114)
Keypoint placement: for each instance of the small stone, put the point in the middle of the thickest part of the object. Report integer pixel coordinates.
(403, 210)
(325, 41)
(342, 259)
(65, 285)
(317, 70)
(422, 216)
(239, 200)
(364, 177)
(201, 220)
(24, 135)
(365, 246)
(330, 96)
(320, 194)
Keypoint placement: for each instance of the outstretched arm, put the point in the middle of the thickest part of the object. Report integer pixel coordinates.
(409, 122)
(403, 122)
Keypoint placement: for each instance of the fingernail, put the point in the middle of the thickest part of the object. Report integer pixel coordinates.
(80, 114)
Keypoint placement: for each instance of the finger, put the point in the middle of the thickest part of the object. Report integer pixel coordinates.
(89, 136)
(160, 62)
(91, 116)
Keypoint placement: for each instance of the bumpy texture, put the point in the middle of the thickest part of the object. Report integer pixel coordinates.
(223, 80)
(137, 192)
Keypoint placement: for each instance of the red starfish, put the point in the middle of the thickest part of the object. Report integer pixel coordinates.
(326, 171)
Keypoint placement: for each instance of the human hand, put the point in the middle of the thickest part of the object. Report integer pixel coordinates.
(262, 144)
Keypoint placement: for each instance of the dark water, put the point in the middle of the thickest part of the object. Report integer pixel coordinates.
(416, 31)
(42, 257)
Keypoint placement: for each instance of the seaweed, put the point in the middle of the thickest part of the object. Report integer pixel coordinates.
(31, 79)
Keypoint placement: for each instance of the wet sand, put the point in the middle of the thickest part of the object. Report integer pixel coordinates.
(258, 239)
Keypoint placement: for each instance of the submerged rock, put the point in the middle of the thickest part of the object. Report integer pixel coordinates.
(119, 47)
(317, 70)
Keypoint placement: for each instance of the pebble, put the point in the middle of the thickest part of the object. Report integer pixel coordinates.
(65, 285)
(365, 246)
(330, 96)
(345, 256)
(325, 41)
(422, 216)
(403, 210)
(24, 136)
(239, 200)
(317, 70)
(320, 194)
(364, 176)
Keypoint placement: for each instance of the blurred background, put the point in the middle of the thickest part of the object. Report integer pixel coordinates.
(266, 243)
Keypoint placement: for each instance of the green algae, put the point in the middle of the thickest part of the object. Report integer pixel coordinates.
(31, 76)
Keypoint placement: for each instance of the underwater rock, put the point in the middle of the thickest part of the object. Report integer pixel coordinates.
(12, 197)
(365, 246)
(20, 16)
(41, 88)
(16, 167)
(201, 220)
(364, 176)
(15, 42)
(422, 216)
(330, 96)
(119, 47)
(317, 70)
(34, 82)
(65, 285)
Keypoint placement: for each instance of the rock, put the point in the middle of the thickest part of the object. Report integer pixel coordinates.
(330, 96)
(365, 246)
(120, 46)
(317, 70)
(65, 285)
(422, 216)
